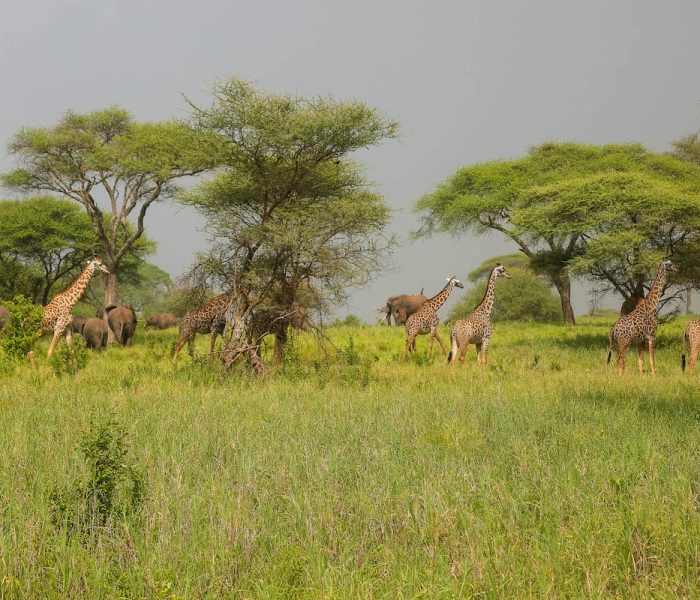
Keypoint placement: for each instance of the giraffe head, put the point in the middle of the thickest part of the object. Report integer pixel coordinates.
(500, 271)
(455, 282)
(97, 263)
(668, 266)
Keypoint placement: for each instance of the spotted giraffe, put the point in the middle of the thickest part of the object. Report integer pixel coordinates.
(639, 326)
(57, 317)
(425, 319)
(691, 340)
(209, 318)
(476, 329)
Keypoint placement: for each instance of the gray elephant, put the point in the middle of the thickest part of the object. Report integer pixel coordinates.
(401, 307)
(161, 321)
(95, 333)
(77, 324)
(122, 321)
(4, 316)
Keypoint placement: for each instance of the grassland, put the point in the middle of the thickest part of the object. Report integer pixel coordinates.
(351, 474)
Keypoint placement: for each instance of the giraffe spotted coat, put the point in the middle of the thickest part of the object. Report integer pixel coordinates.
(691, 341)
(476, 329)
(425, 320)
(639, 327)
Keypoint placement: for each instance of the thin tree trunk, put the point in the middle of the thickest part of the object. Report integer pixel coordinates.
(688, 298)
(280, 343)
(562, 282)
(110, 282)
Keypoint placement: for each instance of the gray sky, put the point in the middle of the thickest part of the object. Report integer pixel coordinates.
(469, 82)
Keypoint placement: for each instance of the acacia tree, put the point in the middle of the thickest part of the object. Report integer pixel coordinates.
(290, 217)
(628, 217)
(115, 167)
(517, 198)
(44, 243)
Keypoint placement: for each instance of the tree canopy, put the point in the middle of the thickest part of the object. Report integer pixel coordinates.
(288, 213)
(113, 166)
(603, 212)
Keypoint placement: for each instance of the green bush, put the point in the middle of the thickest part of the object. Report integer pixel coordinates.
(23, 331)
(524, 297)
(69, 360)
(113, 490)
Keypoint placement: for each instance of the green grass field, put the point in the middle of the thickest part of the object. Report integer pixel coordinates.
(351, 474)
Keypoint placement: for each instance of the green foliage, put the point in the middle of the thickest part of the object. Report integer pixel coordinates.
(106, 152)
(69, 360)
(113, 490)
(44, 243)
(606, 212)
(510, 261)
(21, 334)
(288, 212)
(524, 297)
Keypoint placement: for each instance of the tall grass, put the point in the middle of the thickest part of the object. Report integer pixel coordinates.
(352, 474)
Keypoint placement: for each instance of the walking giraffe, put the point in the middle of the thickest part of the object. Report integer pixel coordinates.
(209, 318)
(476, 329)
(639, 326)
(425, 319)
(691, 341)
(57, 317)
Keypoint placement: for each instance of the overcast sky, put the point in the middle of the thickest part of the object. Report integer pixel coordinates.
(468, 81)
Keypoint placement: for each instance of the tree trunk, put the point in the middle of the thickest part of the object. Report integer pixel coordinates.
(110, 287)
(688, 298)
(280, 343)
(562, 282)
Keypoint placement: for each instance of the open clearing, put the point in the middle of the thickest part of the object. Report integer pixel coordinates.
(356, 475)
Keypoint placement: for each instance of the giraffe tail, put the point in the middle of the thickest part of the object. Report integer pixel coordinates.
(683, 361)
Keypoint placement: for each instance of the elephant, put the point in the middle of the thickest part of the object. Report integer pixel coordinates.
(401, 307)
(4, 316)
(122, 321)
(161, 321)
(95, 333)
(77, 324)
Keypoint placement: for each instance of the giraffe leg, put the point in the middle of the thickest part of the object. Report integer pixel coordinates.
(641, 358)
(54, 341)
(652, 365)
(485, 351)
(463, 352)
(180, 343)
(430, 350)
(622, 351)
(479, 357)
(693, 358)
(442, 346)
(214, 333)
(409, 341)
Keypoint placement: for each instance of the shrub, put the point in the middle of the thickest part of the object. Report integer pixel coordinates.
(113, 490)
(524, 297)
(23, 331)
(69, 360)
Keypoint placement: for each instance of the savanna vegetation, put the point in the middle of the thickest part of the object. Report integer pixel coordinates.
(351, 474)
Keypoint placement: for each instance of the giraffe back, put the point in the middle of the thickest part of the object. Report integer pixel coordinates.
(209, 316)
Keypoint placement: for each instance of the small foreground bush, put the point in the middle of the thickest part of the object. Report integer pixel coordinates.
(23, 331)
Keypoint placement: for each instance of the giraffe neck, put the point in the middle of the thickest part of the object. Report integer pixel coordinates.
(71, 296)
(654, 294)
(486, 303)
(439, 299)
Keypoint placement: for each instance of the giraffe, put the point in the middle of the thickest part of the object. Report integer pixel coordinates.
(691, 340)
(639, 326)
(57, 317)
(476, 329)
(425, 319)
(208, 318)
